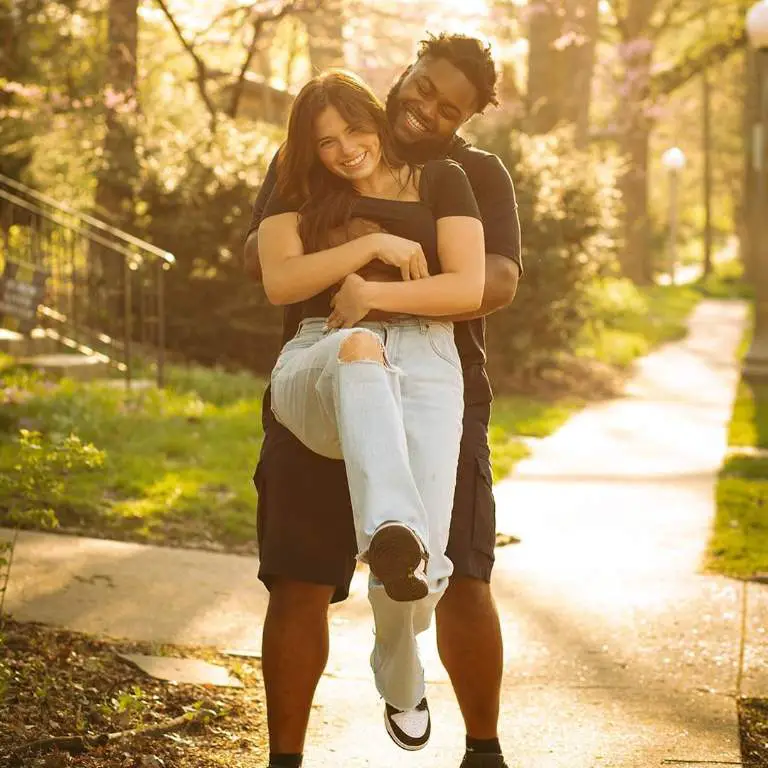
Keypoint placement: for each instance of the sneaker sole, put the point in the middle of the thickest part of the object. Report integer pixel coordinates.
(394, 554)
(403, 745)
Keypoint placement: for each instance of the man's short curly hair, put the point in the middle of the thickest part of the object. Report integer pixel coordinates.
(471, 56)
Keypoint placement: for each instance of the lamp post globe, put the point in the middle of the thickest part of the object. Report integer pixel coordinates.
(674, 159)
(757, 25)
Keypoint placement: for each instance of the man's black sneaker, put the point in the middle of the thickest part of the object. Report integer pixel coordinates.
(398, 560)
(409, 728)
(482, 760)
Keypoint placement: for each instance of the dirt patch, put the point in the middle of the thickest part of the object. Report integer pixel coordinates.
(586, 379)
(753, 726)
(56, 684)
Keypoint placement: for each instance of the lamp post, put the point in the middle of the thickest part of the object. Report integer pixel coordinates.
(674, 161)
(756, 361)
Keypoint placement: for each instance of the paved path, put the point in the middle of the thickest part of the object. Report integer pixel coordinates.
(619, 651)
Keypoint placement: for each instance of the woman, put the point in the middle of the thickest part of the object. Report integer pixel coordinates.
(370, 377)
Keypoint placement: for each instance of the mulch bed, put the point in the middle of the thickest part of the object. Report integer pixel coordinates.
(66, 699)
(753, 724)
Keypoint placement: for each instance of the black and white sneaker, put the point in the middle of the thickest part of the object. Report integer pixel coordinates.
(398, 560)
(409, 728)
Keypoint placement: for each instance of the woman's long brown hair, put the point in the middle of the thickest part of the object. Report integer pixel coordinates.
(325, 200)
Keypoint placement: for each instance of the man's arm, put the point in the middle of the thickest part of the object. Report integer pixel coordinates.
(496, 200)
(251, 264)
(501, 278)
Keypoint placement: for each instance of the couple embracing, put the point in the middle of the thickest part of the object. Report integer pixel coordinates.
(387, 238)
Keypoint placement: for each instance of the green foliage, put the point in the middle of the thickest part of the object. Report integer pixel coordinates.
(726, 282)
(739, 542)
(201, 213)
(515, 418)
(175, 465)
(213, 385)
(749, 422)
(132, 703)
(34, 483)
(568, 208)
(626, 322)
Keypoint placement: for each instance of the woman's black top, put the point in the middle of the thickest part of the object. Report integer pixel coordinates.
(444, 190)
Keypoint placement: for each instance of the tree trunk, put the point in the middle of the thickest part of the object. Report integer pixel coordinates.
(580, 64)
(325, 30)
(561, 58)
(544, 103)
(636, 51)
(635, 258)
(117, 176)
(114, 193)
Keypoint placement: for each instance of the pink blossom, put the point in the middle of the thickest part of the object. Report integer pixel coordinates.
(534, 9)
(655, 112)
(572, 38)
(635, 49)
(114, 99)
(24, 91)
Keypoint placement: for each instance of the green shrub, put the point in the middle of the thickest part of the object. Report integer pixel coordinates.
(215, 316)
(35, 482)
(568, 205)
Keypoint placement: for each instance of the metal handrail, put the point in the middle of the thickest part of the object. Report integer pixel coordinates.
(167, 256)
(27, 206)
(105, 291)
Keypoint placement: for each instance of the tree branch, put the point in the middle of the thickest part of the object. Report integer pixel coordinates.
(77, 745)
(666, 19)
(621, 21)
(667, 81)
(200, 66)
(259, 22)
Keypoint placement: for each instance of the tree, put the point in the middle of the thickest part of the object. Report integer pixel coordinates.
(643, 28)
(119, 169)
(562, 37)
(251, 22)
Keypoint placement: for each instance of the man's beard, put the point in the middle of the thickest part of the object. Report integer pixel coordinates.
(417, 151)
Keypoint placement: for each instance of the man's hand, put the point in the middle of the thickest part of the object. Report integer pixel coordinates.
(350, 305)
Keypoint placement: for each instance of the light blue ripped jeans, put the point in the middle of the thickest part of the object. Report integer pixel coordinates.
(397, 427)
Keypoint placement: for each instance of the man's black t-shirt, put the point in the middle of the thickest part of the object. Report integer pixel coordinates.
(496, 201)
(443, 191)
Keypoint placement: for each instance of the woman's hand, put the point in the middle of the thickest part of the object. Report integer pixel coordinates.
(350, 304)
(406, 255)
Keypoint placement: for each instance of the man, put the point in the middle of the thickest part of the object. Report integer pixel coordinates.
(306, 536)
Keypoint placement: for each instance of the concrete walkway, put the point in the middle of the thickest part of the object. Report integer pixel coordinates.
(619, 651)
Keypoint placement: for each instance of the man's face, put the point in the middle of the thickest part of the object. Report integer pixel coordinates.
(430, 102)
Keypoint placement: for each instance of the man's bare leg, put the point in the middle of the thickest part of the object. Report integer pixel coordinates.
(470, 646)
(294, 655)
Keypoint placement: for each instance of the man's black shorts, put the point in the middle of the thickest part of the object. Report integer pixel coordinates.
(305, 528)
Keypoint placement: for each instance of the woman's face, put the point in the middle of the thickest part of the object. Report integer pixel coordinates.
(352, 152)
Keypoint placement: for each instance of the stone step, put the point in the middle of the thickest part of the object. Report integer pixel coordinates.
(71, 366)
(37, 342)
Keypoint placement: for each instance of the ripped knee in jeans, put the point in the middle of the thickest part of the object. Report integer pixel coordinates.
(362, 345)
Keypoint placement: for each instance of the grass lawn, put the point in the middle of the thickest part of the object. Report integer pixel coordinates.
(174, 466)
(739, 543)
(633, 321)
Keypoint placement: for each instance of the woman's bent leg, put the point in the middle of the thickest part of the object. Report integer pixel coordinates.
(432, 405)
(341, 398)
